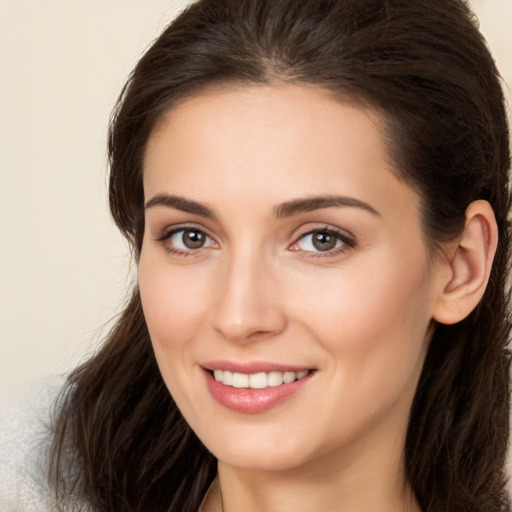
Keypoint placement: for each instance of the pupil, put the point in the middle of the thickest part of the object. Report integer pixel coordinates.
(324, 241)
(193, 239)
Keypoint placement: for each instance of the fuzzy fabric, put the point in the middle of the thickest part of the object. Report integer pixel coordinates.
(24, 445)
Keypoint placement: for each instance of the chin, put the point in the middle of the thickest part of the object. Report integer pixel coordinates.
(261, 451)
(262, 461)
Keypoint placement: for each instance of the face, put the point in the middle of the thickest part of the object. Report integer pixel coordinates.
(284, 277)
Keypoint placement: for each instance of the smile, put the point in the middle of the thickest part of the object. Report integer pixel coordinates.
(257, 387)
(260, 380)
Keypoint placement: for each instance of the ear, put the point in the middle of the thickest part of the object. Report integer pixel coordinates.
(468, 265)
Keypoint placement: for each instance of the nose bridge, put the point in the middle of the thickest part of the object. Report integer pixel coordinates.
(247, 304)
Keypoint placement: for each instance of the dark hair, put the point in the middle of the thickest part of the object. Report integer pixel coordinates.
(424, 66)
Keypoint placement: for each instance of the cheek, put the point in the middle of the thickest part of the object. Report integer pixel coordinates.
(173, 303)
(173, 300)
(169, 295)
(372, 326)
(372, 319)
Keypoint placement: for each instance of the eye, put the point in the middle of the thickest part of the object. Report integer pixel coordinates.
(186, 239)
(323, 240)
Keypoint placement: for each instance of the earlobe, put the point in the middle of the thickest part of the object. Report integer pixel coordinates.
(469, 265)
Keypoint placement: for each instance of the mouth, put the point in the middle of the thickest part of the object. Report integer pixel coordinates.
(257, 387)
(259, 380)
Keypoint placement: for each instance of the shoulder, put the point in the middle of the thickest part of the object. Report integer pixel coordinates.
(25, 437)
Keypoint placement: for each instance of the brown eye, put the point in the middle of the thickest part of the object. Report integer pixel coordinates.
(188, 239)
(324, 241)
(193, 239)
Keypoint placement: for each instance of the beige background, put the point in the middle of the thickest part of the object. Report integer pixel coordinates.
(64, 268)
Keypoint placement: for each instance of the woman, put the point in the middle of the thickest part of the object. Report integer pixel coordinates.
(316, 194)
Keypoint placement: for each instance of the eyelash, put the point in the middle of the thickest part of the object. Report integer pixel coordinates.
(344, 242)
(168, 234)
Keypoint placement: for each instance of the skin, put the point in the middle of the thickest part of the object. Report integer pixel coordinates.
(360, 315)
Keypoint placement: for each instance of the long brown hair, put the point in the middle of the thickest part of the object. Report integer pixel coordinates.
(120, 441)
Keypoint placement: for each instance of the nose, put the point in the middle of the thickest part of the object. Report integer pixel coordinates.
(247, 303)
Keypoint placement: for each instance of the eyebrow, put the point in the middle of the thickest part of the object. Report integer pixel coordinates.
(287, 209)
(309, 204)
(180, 203)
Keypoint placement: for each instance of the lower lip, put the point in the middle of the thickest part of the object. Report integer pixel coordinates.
(252, 401)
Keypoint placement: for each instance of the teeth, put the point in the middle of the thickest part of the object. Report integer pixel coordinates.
(275, 378)
(259, 380)
(288, 377)
(240, 380)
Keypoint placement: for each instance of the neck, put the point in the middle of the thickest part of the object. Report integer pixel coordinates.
(360, 488)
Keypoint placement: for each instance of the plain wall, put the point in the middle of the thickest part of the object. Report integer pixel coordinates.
(64, 269)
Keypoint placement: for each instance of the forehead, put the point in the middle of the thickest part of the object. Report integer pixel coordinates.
(273, 142)
(249, 115)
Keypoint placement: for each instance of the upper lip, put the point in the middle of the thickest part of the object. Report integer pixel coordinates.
(253, 366)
